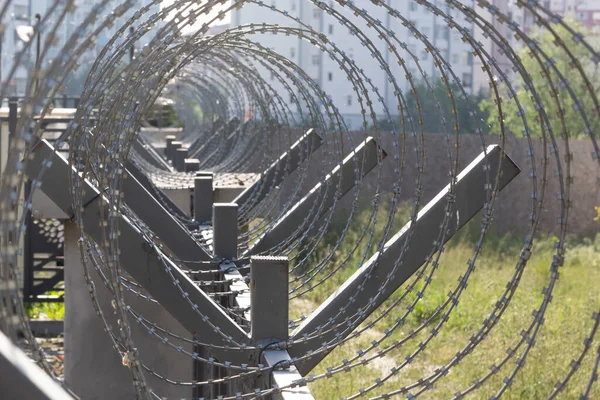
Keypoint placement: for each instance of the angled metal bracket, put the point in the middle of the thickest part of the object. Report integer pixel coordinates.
(149, 154)
(174, 235)
(366, 156)
(287, 163)
(141, 261)
(20, 378)
(357, 293)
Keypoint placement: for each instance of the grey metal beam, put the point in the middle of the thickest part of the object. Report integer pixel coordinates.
(143, 179)
(172, 233)
(216, 136)
(21, 379)
(140, 261)
(148, 153)
(287, 163)
(368, 154)
(359, 290)
(198, 150)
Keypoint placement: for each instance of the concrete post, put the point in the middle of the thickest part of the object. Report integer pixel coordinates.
(269, 299)
(94, 370)
(204, 173)
(203, 198)
(191, 165)
(13, 117)
(179, 158)
(170, 139)
(269, 309)
(171, 155)
(225, 230)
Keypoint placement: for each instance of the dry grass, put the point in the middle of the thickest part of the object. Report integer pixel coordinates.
(568, 322)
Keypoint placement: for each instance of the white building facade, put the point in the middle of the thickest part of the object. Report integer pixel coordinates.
(326, 71)
(22, 13)
(18, 14)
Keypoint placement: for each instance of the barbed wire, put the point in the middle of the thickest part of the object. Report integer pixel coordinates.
(243, 103)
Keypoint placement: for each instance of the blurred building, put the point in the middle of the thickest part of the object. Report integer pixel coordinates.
(326, 72)
(586, 12)
(21, 13)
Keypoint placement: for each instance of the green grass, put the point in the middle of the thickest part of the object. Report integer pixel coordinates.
(47, 310)
(568, 320)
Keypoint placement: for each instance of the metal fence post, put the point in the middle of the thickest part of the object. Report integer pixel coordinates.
(225, 230)
(170, 139)
(171, 155)
(191, 164)
(269, 309)
(224, 222)
(13, 117)
(203, 198)
(179, 159)
(269, 299)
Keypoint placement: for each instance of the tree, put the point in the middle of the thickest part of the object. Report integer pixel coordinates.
(432, 119)
(426, 100)
(574, 122)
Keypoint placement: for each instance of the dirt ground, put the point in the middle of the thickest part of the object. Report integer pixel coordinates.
(54, 349)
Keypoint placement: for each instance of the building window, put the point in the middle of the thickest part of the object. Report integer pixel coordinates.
(315, 59)
(424, 55)
(413, 6)
(455, 59)
(272, 75)
(294, 5)
(330, 76)
(316, 12)
(349, 100)
(21, 12)
(468, 59)
(442, 32)
(466, 79)
(331, 29)
(293, 52)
